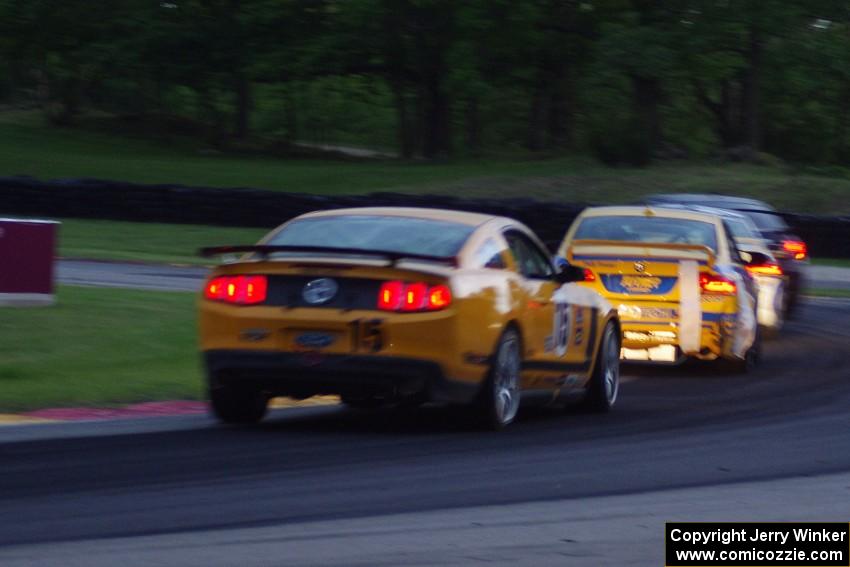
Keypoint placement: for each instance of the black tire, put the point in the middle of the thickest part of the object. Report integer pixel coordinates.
(792, 297)
(604, 385)
(499, 399)
(791, 309)
(414, 401)
(238, 404)
(751, 359)
(769, 333)
(362, 402)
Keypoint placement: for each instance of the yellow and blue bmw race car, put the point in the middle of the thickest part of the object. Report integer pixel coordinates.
(385, 305)
(676, 279)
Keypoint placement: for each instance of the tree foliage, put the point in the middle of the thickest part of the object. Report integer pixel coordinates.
(629, 80)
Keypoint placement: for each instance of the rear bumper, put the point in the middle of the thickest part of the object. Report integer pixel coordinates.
(659, 342)
(661, 354)
(307, 374)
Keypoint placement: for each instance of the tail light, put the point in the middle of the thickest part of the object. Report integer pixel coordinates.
(716, 285)
(795, 248)
(390, 296)
(770, 269)
(238, 290)
(439, 297)
(589, 276)
(417, 296)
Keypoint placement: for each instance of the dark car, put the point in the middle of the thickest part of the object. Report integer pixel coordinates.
(788, 248)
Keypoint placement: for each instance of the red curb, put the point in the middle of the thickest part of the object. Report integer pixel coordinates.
(146, 409)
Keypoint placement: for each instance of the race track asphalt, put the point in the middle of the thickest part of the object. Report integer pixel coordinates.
(157, 277)
(575, 489)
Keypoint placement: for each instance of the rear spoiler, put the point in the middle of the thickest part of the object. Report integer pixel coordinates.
(710, 255)
(264, 251)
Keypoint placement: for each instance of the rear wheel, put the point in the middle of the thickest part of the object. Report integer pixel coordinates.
(604, 385)
(238, 403)
(499, 400)
(771, 333)
(792, 296)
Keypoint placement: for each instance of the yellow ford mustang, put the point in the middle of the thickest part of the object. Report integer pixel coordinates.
(385, 305)
(676, 279)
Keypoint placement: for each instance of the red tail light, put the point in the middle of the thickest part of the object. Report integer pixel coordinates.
(765, 269)
(589, 276)
(390, 296)
(417, 296)
(414, 297)
(238, 290)
(439, 297)
(716, 285)
(796, 248)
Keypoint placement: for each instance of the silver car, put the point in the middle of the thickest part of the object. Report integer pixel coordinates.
(771, 280)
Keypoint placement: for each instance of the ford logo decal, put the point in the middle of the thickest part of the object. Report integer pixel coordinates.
(319, 291)
(314, 340)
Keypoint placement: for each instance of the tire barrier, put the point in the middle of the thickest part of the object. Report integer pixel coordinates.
(247, 207)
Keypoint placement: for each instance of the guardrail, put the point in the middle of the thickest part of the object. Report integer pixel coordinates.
(114, 200)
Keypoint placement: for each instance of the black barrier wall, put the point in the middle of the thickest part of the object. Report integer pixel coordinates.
(113, 200)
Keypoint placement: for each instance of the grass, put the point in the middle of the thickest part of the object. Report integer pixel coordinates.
(835, 262)
(150, 242)
(28, 147)
(99, 347)
(827, 292)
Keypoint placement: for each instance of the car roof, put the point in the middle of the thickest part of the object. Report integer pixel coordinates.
(725, 213)
(650, 211)
(711, 199)
(459, 217)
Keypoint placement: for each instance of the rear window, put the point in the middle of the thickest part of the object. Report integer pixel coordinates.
(741, 229)
(767, 221)
(366, 232)
(648, 229)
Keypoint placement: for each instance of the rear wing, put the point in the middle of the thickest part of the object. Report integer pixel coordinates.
(615, 248)
(264, 251)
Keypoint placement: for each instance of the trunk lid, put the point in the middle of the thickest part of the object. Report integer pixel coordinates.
(637, 270)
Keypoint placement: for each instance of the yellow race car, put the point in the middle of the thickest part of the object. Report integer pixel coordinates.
(402, 305)
(676, 279)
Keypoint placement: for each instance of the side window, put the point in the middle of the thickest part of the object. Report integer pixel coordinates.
(530, 259)
(489, 256)
(733, 247)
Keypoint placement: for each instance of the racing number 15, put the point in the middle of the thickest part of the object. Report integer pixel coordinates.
(561, 331)
(366, 335)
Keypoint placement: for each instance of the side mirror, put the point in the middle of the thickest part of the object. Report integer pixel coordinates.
(566, 273)
(755, 258)
(569, 274)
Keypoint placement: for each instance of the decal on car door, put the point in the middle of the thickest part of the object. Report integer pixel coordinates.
(561, 329)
